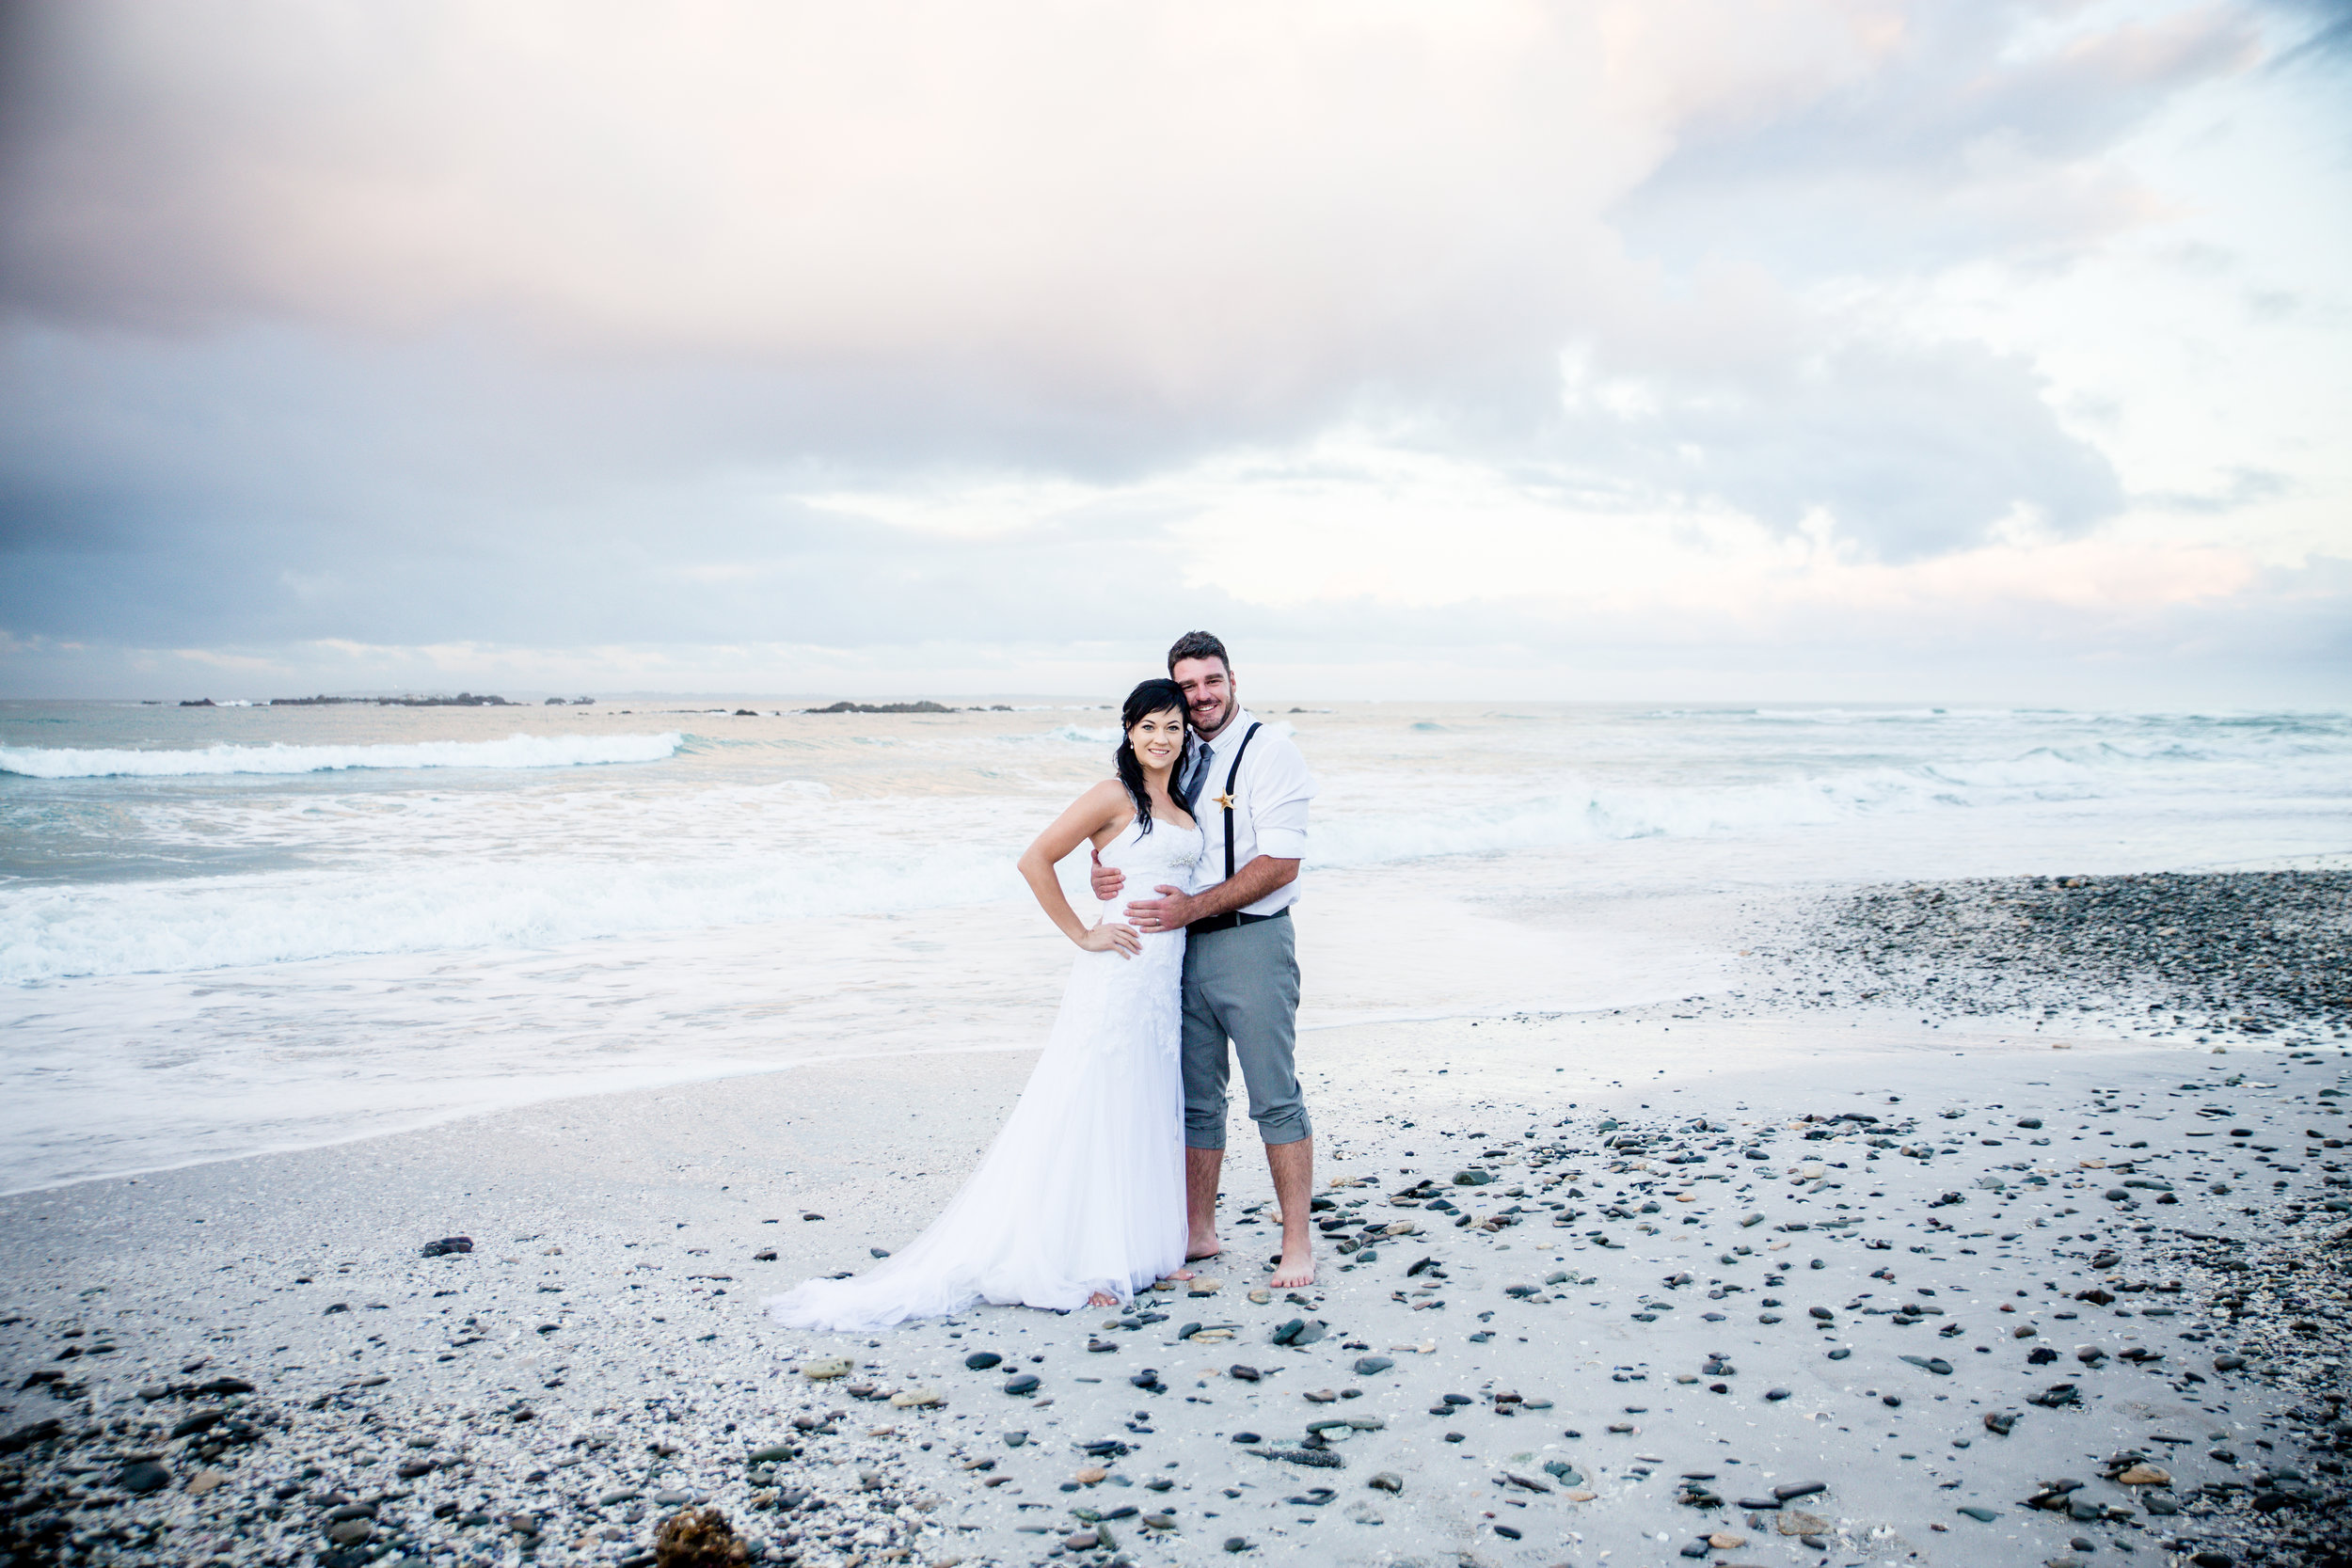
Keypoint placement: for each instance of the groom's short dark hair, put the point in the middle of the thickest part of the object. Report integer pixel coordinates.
(1198, 644)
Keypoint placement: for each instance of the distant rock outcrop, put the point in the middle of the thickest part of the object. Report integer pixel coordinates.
(464, 699)
(881, 707)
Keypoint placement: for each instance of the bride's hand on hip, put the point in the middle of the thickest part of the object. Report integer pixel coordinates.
(1108, 938)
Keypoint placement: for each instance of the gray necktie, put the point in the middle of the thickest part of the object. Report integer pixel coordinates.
(1198, 775)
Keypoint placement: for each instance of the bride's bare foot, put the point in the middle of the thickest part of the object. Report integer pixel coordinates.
(1297, 1269)
(1181, 1273)
(1101, 1298)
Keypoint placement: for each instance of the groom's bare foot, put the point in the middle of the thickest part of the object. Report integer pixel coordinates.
(1297, 1269)
(1202, 1247)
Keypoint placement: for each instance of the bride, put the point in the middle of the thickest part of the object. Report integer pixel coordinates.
(1081, 1199)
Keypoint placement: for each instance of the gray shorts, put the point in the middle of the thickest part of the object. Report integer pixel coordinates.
(1242, 985)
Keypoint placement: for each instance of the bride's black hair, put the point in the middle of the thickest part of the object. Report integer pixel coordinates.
(1152, 696)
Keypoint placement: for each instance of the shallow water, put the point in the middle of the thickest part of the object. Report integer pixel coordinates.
(230, 928)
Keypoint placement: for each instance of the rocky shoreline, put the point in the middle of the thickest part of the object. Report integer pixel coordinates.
(2196, 957)
(1633, 1288)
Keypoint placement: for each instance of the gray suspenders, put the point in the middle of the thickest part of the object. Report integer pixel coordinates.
(1231, 774)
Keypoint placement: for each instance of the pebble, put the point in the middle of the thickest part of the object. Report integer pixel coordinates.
(139, 1479)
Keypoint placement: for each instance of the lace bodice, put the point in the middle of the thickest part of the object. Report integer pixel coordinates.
(1168, 853)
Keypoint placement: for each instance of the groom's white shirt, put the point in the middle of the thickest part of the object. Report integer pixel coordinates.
(1271, 796)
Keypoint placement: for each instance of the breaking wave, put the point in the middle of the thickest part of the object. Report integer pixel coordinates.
(516, 751)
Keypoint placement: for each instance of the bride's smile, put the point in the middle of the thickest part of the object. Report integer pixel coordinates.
(1158, 739)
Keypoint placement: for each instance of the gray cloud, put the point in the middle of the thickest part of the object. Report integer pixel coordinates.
(1913, 451)
(2331, 35)
(529, 324)
(1962, 145)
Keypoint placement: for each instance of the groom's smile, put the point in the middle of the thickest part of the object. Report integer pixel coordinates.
(1209, 691)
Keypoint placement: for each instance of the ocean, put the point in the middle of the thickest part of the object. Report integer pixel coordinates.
(230, 930)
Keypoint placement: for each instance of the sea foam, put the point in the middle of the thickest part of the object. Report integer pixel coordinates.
(516, 751)
(460, 904)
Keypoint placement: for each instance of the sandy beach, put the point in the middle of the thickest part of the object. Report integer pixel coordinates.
(1727, 1279)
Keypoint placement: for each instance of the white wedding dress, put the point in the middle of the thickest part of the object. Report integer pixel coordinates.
(1084, 1189)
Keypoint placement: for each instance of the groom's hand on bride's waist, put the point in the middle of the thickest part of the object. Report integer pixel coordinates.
(1174, 906)
(1171, 909)
(1107, 879)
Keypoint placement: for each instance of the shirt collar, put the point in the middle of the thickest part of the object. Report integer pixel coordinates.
(1233, 732)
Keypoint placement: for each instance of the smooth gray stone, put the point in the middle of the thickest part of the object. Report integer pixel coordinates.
(139, 1479)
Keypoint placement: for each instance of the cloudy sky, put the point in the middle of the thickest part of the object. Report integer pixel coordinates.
(1848, 349)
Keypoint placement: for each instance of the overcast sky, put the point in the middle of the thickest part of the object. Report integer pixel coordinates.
(1844, 349)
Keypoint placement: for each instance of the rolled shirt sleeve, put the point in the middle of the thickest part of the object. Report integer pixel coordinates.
(1280, 812)
(1274, 787)
(1278, 799)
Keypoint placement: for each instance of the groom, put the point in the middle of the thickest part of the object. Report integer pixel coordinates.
(1247, 788)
